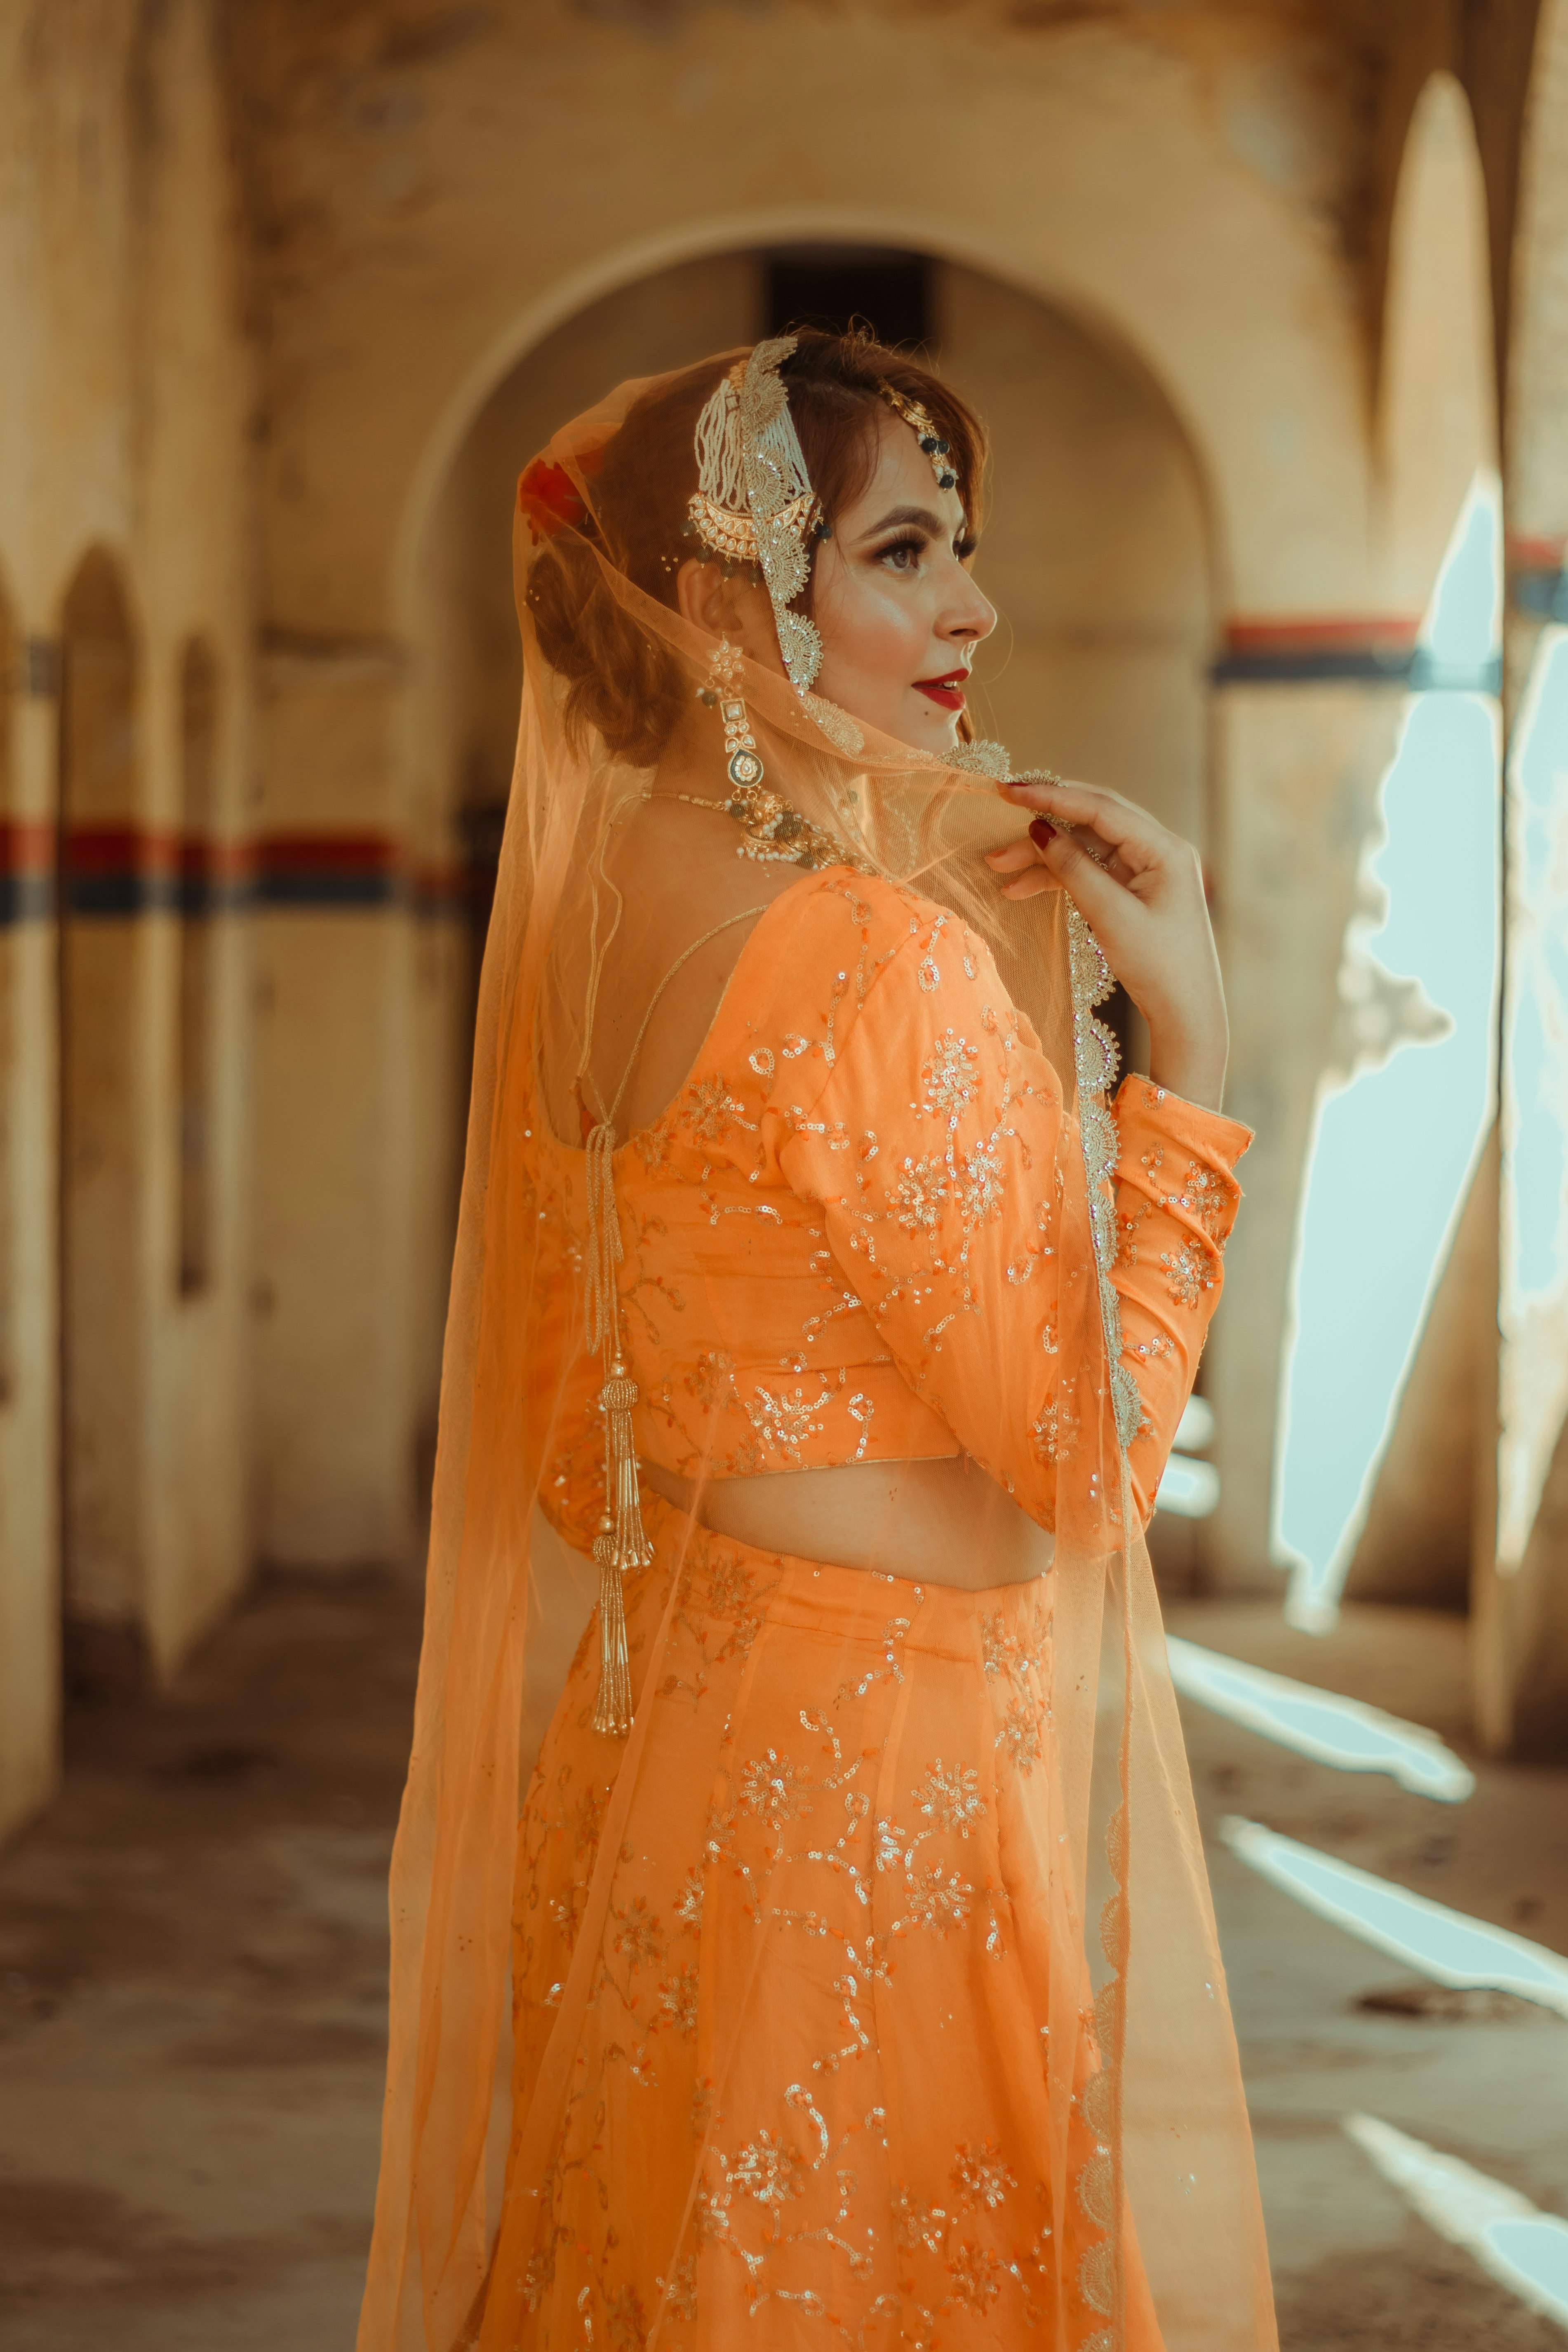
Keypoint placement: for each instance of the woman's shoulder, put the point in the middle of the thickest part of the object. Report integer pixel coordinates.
(848, 953)
(886, 925)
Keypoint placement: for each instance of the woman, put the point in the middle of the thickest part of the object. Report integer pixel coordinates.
(849, 1977)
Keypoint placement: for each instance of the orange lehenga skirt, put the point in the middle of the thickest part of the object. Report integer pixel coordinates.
(808, 2101)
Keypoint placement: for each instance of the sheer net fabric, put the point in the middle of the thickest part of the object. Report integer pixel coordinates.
(866, 1991)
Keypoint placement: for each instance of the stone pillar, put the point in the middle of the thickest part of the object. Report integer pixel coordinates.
(1519, 1587)
(334, 1281)
(1303, 730)
(29, 1332)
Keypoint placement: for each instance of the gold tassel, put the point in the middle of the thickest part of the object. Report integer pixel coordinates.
(613, 1711)
(619, 1547)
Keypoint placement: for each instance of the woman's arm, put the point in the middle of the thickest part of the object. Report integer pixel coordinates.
(934, 1150)
(1176, 1198)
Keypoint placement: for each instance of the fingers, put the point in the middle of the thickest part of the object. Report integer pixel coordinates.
(1021, 860)
(1030, 884)
(1072, 868)
(1018, 857)
(1014, 857)
(1117, 822)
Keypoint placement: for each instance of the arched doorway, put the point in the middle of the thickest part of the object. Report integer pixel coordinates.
(1096, 550)
(101, 1289)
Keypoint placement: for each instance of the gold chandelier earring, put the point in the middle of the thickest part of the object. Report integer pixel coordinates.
(742, 760)
(772, 831)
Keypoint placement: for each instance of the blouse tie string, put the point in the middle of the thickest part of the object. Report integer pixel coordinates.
(621, 1544)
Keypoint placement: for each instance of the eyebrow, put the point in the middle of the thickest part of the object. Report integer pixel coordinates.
(921, 516)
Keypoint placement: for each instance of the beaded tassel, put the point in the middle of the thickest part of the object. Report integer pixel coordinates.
(621, 1544)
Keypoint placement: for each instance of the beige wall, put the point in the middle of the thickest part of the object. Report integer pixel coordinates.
(125, 385)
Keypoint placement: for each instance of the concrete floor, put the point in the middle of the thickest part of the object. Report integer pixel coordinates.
(192, 1996)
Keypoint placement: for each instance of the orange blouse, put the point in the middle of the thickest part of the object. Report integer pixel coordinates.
(836, 1249)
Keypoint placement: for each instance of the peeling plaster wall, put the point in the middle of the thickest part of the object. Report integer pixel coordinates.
(124, 389)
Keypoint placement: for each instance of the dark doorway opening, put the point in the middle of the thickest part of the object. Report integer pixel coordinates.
(839, 285)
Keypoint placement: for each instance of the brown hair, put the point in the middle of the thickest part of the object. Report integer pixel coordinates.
(621, 680)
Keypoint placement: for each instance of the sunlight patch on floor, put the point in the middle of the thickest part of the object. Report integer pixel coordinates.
(1445, 1945)
(1522, 2248)
(1343, 1732)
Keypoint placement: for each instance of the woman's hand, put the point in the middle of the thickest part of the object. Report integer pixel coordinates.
(1141, 890)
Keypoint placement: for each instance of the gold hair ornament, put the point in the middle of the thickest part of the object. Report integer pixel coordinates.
(754, 501)
(922, 426)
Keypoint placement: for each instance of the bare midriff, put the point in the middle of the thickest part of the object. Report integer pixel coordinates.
(935, 1522)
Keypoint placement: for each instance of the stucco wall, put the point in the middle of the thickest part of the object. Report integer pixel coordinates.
(125, 385)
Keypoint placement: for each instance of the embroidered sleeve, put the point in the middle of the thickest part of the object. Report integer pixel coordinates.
(933, 1149)
(1176, 1198)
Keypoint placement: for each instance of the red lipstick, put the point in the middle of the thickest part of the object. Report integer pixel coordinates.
(948, 691)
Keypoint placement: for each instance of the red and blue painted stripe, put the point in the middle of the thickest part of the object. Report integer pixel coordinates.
(1305, 652)
(120, 870)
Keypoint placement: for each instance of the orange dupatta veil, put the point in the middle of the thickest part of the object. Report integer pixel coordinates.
(1172, 2168)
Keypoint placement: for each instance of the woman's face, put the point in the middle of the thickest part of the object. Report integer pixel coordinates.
(898, 615)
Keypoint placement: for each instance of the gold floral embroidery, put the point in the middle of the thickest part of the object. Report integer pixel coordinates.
(1005, 1649)
(677, 1999)
(787, 1422)
(951, 1798)
(950, 1079)
(652, 1145)
(920, 1194)
(769, 2170)
(776, 1790)
(981, 1198)
(981, 2177)
(976, 2273)
(540, 2275)
(711, 1380)
(939, 1898)
(681, 2290)
(1128, 1223)
(710, 1111)
(1019, 1739)
(637, 1938)
(1052, 1432)
(1210, 1198)
(1189, 1271)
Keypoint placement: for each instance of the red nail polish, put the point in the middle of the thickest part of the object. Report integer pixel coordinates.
(1043, 831)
